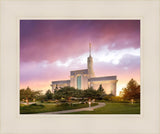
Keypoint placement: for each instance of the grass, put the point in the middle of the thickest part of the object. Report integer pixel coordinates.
(49, 107)
(115, 108)
(109, 108)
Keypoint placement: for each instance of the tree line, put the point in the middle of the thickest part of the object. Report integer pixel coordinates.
(132, 91)
(64, 93)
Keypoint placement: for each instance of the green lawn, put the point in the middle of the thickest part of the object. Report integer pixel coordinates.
(109, 108)
(49, 107)
(115, 108)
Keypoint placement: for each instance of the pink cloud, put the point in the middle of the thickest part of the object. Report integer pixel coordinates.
(44, 43)
(51, 40)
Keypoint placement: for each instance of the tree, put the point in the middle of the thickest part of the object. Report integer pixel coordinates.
(42, 98)
(49, 95)
(132, 85)
(65, 92)
(79, 93)
(100, 92)
(28, 94)
(56, 89)
(132, 91)
(90, 93)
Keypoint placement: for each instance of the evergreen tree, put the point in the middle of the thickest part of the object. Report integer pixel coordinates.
(49, 95)
(100, 92)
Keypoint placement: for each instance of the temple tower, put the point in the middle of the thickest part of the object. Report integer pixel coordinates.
(90, 63)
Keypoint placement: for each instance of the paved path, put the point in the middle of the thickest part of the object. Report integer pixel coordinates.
(100, 104)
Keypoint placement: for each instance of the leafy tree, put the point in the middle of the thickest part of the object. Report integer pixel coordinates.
(22, 94)
(79, 93)
(132, 91)
(49, 95)
(42, 98)
(28, 94)
(90, 93)
(65, 92)
(132, 85)
(56, 89)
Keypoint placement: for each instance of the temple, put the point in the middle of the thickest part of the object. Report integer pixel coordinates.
(85, 78)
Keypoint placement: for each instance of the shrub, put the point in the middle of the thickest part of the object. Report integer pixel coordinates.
(107, 98)
(37, 105)
(64, 104)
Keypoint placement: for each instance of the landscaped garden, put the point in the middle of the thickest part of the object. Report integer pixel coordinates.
(115, 108)
(49, 107)
(67, 98)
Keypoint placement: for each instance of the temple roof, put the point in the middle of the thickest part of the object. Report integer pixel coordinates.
(103, 78)
(82, 71)
(61, 82)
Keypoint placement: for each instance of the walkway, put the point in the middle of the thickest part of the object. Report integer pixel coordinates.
(100, 104)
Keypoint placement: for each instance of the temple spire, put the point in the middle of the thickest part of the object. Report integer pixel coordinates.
(89, 49)
(90, 63)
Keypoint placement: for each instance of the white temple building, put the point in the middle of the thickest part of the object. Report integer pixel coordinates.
(85, 78)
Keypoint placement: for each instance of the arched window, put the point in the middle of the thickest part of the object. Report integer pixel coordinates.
(79, 82)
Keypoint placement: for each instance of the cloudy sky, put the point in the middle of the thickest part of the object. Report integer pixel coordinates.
(50, 49)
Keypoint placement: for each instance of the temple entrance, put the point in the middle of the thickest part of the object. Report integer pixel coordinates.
(79, 82)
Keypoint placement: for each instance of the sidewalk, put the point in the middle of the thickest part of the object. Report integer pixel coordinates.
(77, 110)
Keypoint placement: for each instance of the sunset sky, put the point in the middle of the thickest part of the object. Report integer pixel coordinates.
(50, 49)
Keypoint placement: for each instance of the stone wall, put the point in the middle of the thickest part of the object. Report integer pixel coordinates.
(109, 86)
(59, 84)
